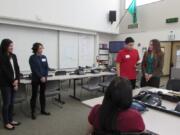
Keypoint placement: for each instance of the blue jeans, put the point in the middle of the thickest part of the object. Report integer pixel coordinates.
(8, 104)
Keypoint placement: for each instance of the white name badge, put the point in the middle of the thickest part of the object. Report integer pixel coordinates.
(43, 60)
(127, 56)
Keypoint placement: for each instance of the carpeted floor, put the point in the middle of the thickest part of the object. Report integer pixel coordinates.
(70, 120)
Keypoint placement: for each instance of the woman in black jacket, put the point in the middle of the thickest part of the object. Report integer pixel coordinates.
(9, 81)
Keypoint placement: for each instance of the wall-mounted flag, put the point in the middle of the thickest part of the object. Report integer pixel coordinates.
(133, 11)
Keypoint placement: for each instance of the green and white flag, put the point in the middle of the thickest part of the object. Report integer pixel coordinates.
(132, 10)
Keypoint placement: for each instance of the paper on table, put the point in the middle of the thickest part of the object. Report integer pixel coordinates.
(164, 91)
(155, 90)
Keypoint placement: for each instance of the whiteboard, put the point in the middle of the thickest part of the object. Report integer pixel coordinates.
(76, 50)
(68, 49)
(23, 39)
(86, 50)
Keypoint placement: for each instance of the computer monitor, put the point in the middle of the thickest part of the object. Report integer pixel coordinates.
(115, 46)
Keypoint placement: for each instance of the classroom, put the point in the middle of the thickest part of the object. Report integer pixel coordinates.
(89, 67)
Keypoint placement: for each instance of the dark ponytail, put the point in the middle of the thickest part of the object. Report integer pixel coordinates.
(118, 97)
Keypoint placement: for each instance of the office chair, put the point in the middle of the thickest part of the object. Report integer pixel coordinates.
(52, 69)
(92, 85)
(21, 97)
(21, 76)
(173, 84)
(107, 81)
(53, 90)
(60, 73)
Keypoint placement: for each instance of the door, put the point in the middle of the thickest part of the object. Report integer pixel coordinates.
(176, 54)
(166, 48)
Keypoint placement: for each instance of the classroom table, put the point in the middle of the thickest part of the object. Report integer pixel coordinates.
(156, 121)
(71, 77)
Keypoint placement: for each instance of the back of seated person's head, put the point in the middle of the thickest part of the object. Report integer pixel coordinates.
(118, 97)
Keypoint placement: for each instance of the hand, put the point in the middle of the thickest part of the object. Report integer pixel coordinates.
(146, 77)
(16, 88)
(15, 83)
(43, 79)
(150, 76)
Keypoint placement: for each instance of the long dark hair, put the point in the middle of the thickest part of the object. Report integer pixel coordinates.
(156, 47)
(5, 43)
(118, 97)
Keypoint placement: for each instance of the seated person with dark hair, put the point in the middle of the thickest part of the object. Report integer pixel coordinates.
(115, 114)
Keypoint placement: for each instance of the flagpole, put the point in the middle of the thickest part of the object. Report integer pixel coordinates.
(124, 15)
(122, 18)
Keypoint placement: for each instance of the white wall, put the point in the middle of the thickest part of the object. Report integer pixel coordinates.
(105, 38)
(152, 16)
(151, 20)
(84, 14)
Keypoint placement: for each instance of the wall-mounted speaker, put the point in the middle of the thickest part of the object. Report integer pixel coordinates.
(112, 16)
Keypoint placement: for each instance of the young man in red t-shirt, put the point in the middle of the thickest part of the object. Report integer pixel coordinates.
(126, 61)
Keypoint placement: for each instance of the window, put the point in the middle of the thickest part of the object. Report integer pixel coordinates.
(140, 2)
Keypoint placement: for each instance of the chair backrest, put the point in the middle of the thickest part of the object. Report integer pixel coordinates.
(109, 78)
(94, 81)
(60, 73)
(20, 95)
(51, 69)
(173, 84)
(52, 86)
(21, 75)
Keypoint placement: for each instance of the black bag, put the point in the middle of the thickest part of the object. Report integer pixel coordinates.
(149, 98)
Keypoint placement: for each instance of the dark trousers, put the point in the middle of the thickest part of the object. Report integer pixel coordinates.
(133, 83)
(42, 98)
(153, 82)
(8, 104)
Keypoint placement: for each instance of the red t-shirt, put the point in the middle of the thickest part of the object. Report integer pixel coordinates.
(128, 60)
(127, 121)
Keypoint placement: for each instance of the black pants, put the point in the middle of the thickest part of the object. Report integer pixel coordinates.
(42, 98)
(8, 104)
(133, 83)
(153, 82)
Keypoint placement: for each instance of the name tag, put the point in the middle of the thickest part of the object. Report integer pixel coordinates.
(127, 56)
(43, 60)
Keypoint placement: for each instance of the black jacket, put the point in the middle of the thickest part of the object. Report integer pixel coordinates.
(39, 67)
(6, 70)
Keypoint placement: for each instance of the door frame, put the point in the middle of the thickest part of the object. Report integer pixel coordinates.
(171, 62)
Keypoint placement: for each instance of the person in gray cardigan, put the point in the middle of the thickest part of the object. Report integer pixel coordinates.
(152, 65)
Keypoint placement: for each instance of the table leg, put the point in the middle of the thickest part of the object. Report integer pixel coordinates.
(74, 91)
(59, 100)
(103, 81)
(69, 83)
